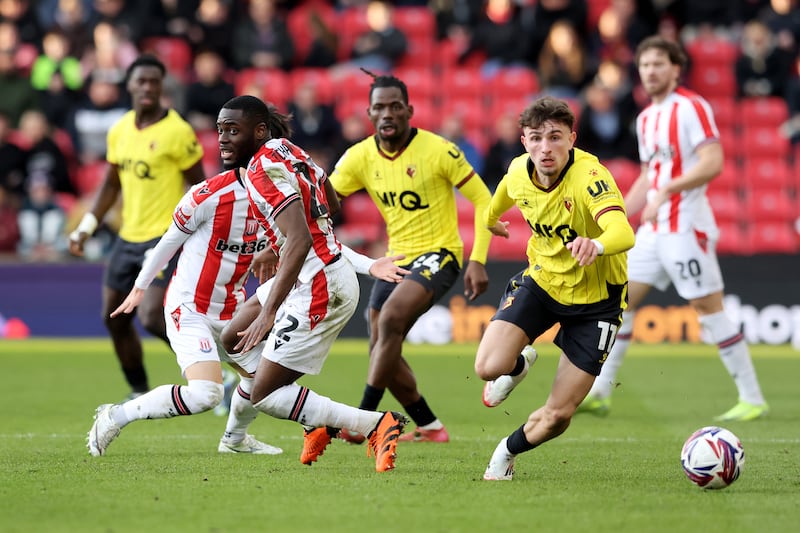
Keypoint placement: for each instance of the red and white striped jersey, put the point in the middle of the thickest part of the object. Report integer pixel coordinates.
(216, 258)
(669, 134)
(281, 173)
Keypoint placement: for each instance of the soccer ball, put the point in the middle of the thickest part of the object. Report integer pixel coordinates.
(712, 457)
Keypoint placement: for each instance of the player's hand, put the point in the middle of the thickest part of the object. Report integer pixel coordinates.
(385, 269)
(583, 250)
(654, 202)
(76, 241)
(265, 264)
(476, 280)
(500, 229)
(131, 302)
(255, 332)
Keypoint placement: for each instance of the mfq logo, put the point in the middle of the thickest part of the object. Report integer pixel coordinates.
(408, 200)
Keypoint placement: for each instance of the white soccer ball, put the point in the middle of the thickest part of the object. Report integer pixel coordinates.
(712, 457)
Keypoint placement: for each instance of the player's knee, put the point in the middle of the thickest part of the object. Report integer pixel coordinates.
(393, 321)
(152, 321)
(203, 395)
(229, 339)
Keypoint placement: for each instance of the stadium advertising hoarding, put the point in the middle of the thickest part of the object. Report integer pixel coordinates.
(763, 295)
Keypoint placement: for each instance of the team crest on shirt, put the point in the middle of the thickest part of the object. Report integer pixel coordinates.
(568, 203)
(593, 172)
(175, 314)
(411, 170)
(250, 227)
(508, 302)
(205, 345)
(202, 191)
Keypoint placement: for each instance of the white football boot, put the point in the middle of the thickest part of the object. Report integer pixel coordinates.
(494, 392)
(501, 465)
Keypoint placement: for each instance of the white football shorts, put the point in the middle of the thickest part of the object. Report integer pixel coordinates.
(194, 338)
(311, 318)
(686, 260)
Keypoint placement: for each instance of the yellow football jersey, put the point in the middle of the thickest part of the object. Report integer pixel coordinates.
(413, 190)
(151, 162)
(570, 207)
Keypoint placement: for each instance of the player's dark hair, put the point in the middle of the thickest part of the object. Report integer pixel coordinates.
(672, 49)
(386, 80)
(547, 109)
(146, 60)
(257, 110)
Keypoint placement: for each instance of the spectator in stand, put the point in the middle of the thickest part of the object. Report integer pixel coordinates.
(212, 27)
(354, 129)
(619, 30)
(452, 129)
(208, 93)
(109, 55)
(41, 223)
(564, 66)
(71, 17)
(382, 45)
(170, 17)
(12, 166)
(57, 77)
(606, 126)
(763, 68)
(455, 16)
(324, 43)
(17, 93)
(791, 128)
(101, 107)
(782, 17)
(9, 230)
(545, 14)
(500, 35)
(506, 147)
(22, 16)
(314, 125)
(43, 157)
(261, 38)
(129, 18)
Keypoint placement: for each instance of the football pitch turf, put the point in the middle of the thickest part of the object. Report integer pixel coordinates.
(621, 473)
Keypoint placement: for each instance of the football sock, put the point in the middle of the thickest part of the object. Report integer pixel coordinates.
(517, 443)
(372, 398)
(519, 367)
(242, 412)
(604, 383)
(167, 401)
(421, 414)
(735, 355)
(293, 402)
(136, 378)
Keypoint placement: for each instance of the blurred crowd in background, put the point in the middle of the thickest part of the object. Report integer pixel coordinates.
(471, 66)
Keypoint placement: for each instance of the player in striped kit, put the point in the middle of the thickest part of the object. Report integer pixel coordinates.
(680, 152)
(219, 236)
(313, 294)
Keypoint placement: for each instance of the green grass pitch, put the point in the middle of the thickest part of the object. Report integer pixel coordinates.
(618, 474)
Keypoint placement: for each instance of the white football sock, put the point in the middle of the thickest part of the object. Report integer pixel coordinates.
(735, 355)
(242, 412)
(293, 402)
(167, 401)
(604, 383)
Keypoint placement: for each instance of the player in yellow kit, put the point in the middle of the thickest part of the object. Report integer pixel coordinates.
(576, 276)
(152, 154)
(411, 175)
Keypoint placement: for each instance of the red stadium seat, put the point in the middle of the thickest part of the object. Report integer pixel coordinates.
(463, 83)
(425, 116)
(763, 173)
(712, 51)
(417, 23)
(352, 22)
(773, 238)
(354, 86)
(727, 205)
(713, 81)
(421, 83)
(470, 109)
(733, 240)
(359, 208)
(763, 112)
(209, 140)
(728, 179)
(419, 54)
(625, 172)
(448, 52)
(319, 78)
(726, 113)
(771, 205)
(271, 85)
(174, 52)
(764, 142)
(515, 83)
(90, 177)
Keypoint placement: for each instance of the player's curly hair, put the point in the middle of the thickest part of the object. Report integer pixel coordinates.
(673, 50)
(255, 109)
(386, 80)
